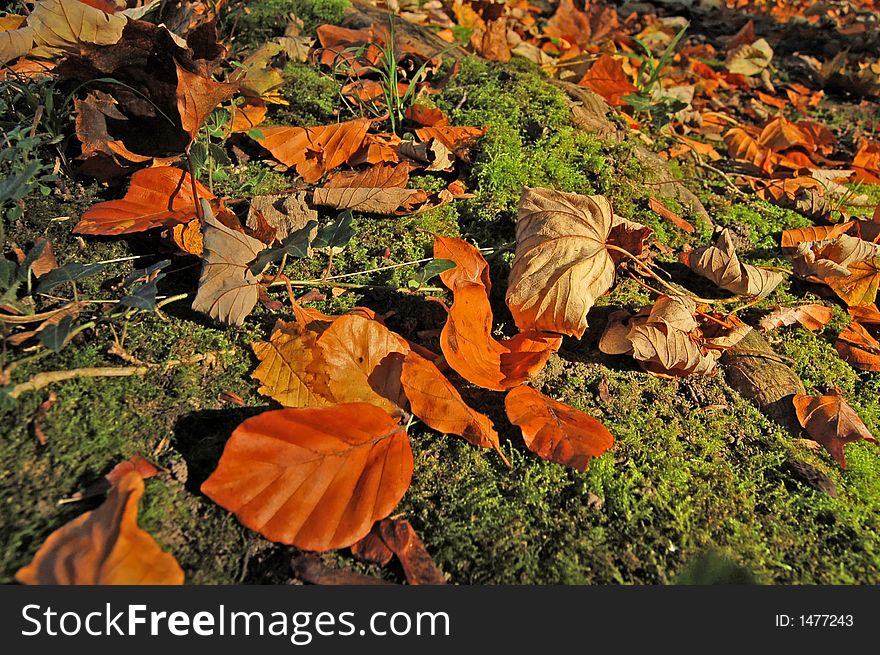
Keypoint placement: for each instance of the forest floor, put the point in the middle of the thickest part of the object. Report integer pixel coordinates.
(700, 484)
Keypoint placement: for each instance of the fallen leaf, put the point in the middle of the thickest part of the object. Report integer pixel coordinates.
(197, 96)
(629, 236)
(285, 213)
(581, 27)
(364, 361)
(227, 288)
(316, 478)
(562, 264)
(491, 41)
(607, 78)
(188, 237)
(292, 369)
(470, 265)
(380, 189)
(750, 59)
(457, 138)
(858, 347)
(791, 239)
(720, 264)
(660, 209)
(849, 265)
(137, 463)
(56, 26)
(435, 401)
(157, 197)
(829, 420)
(811, 317)
(472, 351)
(555, 431)
(867, 163)
(104, 547)
(418, 566)
(314, 151)
(372, 548)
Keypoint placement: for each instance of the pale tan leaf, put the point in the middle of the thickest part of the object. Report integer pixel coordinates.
(561, 264)
(720, 264)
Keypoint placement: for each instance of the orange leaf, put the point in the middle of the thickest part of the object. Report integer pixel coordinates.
(555, 431)
(456, 138)
(858, 347)
(471, 350)
(867, 163)
(607, 78)
(470, 265)
(316, 478)
(157, 197)
(104, 546)
(830, 421)
(433, 399)
(188, 237)
(811, 317)
(791, 239)
(196, 98)
(248, 116)
(659, 208)
(314, 151)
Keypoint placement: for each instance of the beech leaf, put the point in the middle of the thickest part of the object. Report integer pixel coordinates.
(811, 317)
(104, 547)
(316, 478)
(555, 431)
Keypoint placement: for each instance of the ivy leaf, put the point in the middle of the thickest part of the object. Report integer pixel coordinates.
(68, 273)
(54, 336)
(336, 234)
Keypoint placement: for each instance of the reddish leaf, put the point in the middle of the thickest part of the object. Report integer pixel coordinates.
(372, 549)
(858, 347)
(607, 78)
(811, 317)
(830, 421)
(104, 546)
(659, 208)
(470, 265)
(317, 478)
(417, 564)
(455, 138)
(157, 197)
(197, 97)
(555, 431)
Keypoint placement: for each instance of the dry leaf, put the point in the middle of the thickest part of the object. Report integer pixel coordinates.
(292, 369)
(197, 96)
(562, 264)
(849, 265)
(316, 478)
(750, 59)
(456, 138)
(555, 431)
(104, 547)
(830, 421)
(188, 237)
(285, 214)
(227, 288)
(720, 264)
(314, 151)
(435, 401)
(156, 197)
(380, 189)
(660, 209)
(811, 317)
(607, 78)
(858, 347)
(372, 549)
(417, 564)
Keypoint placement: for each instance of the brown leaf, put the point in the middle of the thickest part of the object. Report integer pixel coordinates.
(811, 317)
(607, 78)
(227, 288)
(750, 59)
(156, 197)
(849, 265)
(858, 347)
(104, 547)
(309, 568)
(197, 96)
(791, 239)
(285, 213)
(46, 261)
(372, 548)
(314, 151)
(188, 237)
(628, 235)
(491, 42)
(435, 401)
(380, 189)
(562, 264)
(830, 421)
(720, 264)
(316, 478)
(418, 566)
(555, 431)
(457, 138)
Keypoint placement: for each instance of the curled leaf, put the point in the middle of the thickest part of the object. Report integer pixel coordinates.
(720, 264)
(830, 421)
(811, 317)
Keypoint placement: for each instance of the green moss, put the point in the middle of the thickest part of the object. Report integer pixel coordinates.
(259, 20)
(761, 222)
(313, 97)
